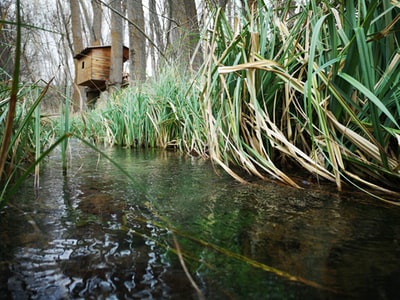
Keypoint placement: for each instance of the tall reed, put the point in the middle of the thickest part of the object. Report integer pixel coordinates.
(38, 145)
(12, 101)
(316, 87)
(65, 123)
(164, 112)
(27, 138)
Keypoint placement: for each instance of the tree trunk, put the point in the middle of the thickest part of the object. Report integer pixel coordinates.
(97, 22)
(193, 40)
(249, 7)
(116, 43)
(76, 27)
(156, 33)
(6, 42)
(137, 42)
(222, 3)
(65, 46)
(184, 32)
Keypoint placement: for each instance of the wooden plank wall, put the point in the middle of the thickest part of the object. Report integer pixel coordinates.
(84, 69)
(101, 64)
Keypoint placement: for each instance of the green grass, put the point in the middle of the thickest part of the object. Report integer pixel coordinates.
(163, 113)
(28, 137)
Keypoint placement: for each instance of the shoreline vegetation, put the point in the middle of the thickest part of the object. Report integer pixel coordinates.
(316, 89)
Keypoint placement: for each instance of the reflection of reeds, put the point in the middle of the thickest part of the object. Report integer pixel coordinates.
(225, 252)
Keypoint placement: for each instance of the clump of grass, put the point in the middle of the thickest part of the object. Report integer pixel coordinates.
(27, 138)
(318, 89)
(164, 113)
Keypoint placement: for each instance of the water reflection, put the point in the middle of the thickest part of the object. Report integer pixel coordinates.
(93, 234)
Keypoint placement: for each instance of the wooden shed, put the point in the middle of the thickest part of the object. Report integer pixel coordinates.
(94, 66)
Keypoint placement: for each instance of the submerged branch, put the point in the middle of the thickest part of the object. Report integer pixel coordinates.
(231, 254)
(255, 263)
(182, 262)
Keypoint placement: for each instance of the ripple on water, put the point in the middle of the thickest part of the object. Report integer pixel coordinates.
(86, 236)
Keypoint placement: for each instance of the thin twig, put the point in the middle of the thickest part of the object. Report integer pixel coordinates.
(193, 283)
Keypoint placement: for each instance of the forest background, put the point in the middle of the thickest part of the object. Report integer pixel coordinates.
(267, 86)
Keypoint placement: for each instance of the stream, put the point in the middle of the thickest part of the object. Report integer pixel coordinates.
(95, 233)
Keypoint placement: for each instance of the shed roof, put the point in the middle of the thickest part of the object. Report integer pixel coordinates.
(87, 50)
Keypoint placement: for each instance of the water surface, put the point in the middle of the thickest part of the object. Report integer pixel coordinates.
(95, 234)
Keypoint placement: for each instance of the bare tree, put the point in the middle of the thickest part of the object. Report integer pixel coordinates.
(77, 44)
(76, 26)
(93, 19)
(97, 21)
(64, 44)
(7, 39)
(137, 41)
(194, 34)
(183, 32)
(156, 33)
(116, 43)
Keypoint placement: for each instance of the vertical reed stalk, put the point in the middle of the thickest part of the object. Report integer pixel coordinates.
(4, 150)
(37, 143)
(64, 144)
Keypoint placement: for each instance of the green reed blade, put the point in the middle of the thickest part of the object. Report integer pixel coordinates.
(37, 145)
(369, 94)
(64, 144)
(7, 194)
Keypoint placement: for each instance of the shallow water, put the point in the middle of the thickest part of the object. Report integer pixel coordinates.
(95, 234)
